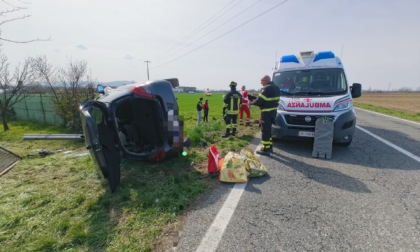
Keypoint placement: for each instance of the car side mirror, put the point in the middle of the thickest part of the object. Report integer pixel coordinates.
(100, 88)
(356, 90)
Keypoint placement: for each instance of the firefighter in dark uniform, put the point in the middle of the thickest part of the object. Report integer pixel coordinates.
(232, 102)
(268, 101)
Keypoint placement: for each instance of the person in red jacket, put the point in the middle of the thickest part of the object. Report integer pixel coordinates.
(244, 107)
(206, 111)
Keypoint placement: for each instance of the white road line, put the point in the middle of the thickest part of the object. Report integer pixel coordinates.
(215, 232)
(409, 154)
(393, 117)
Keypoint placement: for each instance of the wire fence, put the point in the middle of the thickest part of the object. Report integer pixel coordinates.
(38, 108)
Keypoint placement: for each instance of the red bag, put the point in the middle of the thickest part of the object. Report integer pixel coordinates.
(213, 159)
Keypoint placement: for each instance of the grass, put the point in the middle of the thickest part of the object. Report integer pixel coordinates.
(60, 203)
(13, 139)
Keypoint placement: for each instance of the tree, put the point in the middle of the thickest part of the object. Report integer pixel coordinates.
(13, 87)
(69, 88)
(10, 12)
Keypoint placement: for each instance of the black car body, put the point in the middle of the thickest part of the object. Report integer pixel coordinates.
(136, 121)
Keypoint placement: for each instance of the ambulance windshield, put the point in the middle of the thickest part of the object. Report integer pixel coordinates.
(327, 81)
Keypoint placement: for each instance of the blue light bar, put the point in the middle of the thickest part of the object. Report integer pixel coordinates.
(324, 55)
(289, 59)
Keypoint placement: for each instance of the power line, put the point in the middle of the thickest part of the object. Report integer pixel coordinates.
(224, 34)
(216, 28)
(203, 25)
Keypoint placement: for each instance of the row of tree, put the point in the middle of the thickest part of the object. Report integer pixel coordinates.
(69, 87)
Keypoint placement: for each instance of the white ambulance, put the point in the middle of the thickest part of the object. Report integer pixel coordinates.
(314, 85)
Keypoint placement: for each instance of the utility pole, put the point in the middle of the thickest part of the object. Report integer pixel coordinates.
(275, 62)
(147, 64)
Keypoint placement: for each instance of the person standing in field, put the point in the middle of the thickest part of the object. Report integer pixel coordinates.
(232, 102)
(268, 101)
(206, 111)
(199, 108)
(244, 107)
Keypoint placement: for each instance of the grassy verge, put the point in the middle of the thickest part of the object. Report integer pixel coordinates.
(392, 112)
(58, 202)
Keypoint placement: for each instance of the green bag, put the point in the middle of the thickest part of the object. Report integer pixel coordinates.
(254, 167)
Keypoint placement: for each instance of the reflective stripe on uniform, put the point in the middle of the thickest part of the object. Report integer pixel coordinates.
(268, 109)
(268, 99)
(234, 112)
(231, 111)
(232, 126)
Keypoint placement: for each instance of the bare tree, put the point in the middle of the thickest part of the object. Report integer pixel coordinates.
(69, 86)
(405, 90)
(10, 11)
(13, 87)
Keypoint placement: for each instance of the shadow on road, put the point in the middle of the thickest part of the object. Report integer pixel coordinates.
(323, 175)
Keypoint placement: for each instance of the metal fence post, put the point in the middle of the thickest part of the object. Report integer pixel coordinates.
(42, 107)
(26, 106)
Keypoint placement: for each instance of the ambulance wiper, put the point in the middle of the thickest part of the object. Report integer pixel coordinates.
(284, 91)
(309, 93)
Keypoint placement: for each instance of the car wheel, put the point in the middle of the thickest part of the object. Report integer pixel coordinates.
(345, 144)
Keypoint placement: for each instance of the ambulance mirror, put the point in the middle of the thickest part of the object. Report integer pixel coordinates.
(356, 90)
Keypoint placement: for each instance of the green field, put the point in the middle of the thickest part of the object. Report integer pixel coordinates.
(59, 202)
(187, 106)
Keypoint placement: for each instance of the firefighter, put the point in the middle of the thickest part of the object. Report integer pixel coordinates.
(268, 101)
(232, 102)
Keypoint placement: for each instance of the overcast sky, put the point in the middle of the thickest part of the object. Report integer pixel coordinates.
(207, 44)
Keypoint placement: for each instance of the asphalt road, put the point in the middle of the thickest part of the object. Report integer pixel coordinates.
(366, 198)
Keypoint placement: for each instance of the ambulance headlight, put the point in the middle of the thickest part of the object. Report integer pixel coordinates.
(343, 106)
(281, 107)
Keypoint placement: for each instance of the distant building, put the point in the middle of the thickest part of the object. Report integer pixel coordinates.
(185, 89)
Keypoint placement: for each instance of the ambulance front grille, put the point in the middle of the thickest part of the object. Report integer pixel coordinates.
(302, 120)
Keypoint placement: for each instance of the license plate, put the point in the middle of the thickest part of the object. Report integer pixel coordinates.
(306, 134)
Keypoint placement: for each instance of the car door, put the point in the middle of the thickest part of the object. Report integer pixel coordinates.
(101, 141)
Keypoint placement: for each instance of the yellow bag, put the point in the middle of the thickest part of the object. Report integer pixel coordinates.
(254, 167)
(233, 169)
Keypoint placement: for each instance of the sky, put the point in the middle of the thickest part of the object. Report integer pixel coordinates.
(208, 44)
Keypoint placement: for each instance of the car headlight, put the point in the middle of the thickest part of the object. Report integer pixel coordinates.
(343, 106)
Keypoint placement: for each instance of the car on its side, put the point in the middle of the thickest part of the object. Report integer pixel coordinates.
(135, 121)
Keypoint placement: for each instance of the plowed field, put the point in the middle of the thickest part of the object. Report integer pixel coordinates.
(406, 102)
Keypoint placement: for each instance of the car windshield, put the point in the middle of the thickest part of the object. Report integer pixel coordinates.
(321, 82)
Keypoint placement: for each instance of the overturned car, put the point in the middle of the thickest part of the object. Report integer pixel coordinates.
(136, 121)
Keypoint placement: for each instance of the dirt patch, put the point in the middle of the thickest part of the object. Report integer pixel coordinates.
(405, 102)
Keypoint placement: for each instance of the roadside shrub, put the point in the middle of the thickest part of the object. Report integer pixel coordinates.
(205, 133)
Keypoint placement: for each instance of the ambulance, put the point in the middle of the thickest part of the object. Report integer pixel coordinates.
(314, 85)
